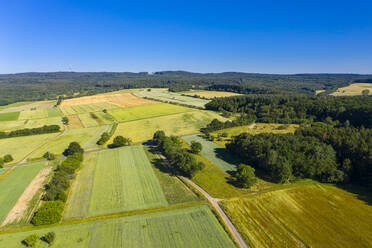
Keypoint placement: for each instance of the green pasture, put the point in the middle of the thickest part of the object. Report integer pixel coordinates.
(33, 114)
(106, 118)
(86, 108)
(87, 120)
(11, 116)
(13, 185)
(53, 112)
(184, 228)
(91, 143)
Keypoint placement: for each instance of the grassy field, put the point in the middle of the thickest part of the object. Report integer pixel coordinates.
(132, 185)
(13, 105)
(74, 122)
(11, 116)
(87, 120)
(58, 145)
(210, 94)
(184, 228)
(106, 118)
(178, 124)
(91, 143)
(353, 90)
(22, 106)
(175, 191)
(13, 185)
(314, 215)
(33, 114)
(86, 108)
(258, 128)
(19, 147)
(146, 111)
(14, 125)
(165, 95)
(53, 112)
(2, 170)
(215, 154)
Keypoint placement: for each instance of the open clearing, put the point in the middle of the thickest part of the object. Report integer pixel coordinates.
(22, 106)
(58, 145)
(13, 185)
(353, 89)
(210, 94)
(132, 184)
(11, 116)
(19, 147)
(119, 99)
(145, 112)
(166, 96)
(20, 208)
(184, 228)
(177, 124)
(316, 215)
(86, 108)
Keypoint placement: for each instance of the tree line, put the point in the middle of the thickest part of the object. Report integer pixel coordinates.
(30, 131)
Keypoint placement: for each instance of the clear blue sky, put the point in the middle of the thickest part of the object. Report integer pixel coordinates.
(201, 36)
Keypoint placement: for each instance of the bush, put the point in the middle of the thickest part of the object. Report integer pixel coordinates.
(8, 158)
(49, 213)
(120, 141)
(104, 138)
(73, 148)
(196, 147)
(245, 176)
(31, 240)
(49, 156)
(49, 238)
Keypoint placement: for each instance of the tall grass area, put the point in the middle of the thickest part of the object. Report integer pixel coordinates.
(308, 215)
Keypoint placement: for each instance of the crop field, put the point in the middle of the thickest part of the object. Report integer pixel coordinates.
(147, 111)
(189, 227)
(11, 116)
(12, 125)
(39, 113)
(91, 143)
(106, 118)
(53, 112)
(13, 105)
(13, 185)
(132, 185)
(217, 155)
(2, 170)
(87, 120)
(177, 124)
(19, 147)
(22, 106)
(210, 94)
(257, 129)
(20, 124)
(74, 122)
(165, 95)
(353, 90)
(118, 99)
(316, 215)
(86, 108)
(58, 145)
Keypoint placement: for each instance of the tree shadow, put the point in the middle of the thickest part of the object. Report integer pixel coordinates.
(363, 194)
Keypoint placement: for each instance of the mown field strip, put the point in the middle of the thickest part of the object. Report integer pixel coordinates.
(217, 155)
(91, 144)
(13, 185)
(315, 215)
(87, 120)
(33, 114)
(11, 116)
(188, 227)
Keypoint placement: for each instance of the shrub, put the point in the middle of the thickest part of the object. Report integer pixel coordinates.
(49, 238)
(120, 141)
(196, 147)
(73, 148)
(49, 213)
(49, 156)
(31, 240)
(8, 158)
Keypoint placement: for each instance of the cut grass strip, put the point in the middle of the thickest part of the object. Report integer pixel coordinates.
(11, 116)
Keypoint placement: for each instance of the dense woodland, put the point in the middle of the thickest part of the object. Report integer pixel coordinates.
(41, 86)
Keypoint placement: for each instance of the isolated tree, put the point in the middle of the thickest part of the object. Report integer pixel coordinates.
(65, 120)
(245, 176)
(196, 147)
(73, 148)
(120, 141)
(365, 92)
(104, 111)
(158, 137)
(49, 238)
(49, 156)
(8, 158)
(31, 240)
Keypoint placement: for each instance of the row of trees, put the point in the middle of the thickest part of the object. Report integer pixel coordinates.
(33, 239)
(216, 124)
(55, 196)
(178, 157)
(354, 111)
(30, 131)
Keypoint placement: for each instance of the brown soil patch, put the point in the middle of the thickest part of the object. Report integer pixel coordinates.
(74, 122)
(122, 100)
(17, 212)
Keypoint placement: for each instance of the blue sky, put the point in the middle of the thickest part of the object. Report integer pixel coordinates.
(201, 36)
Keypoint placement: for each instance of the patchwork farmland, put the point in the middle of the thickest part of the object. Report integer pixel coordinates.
(209, 94)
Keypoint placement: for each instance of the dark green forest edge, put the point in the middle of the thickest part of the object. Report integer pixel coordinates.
(43, 86)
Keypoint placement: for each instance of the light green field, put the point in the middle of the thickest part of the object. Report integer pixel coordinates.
(11, 116)
(177, 124)
(106, 118)
(87, 120)
(2, 170)
(19, 147)
(257, 129)
(184, 228)
(13, 185)
(22, 106)
(86, 108)
(53, 112)
(353, 90)
(33, 114)
(21, 124)
(165, 95)
(146, 111)
(132, 184)
(215, 154)
(58, 145)
(91, 143)
(314, 215)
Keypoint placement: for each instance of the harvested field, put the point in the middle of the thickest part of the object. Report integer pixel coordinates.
(316, 215)
(19, 210)
(210, 94)
(87, 120)
(166, 96)
(86, 108)
(13, 185)
(177, 124)
(11, 116)
(183, 228)
(23, 106)
(119, 99)
(74, 122)
(147, 111)
(21, 124)
(353, 90)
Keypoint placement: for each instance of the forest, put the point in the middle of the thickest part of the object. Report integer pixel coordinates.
(42, 86)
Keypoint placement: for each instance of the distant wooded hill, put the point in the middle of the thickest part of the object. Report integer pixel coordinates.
(41, 86)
